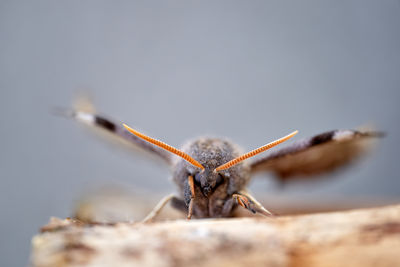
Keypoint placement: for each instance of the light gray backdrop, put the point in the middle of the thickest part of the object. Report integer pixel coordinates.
(249, 70)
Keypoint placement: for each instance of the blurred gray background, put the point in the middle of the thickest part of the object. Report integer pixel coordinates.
(252, 71)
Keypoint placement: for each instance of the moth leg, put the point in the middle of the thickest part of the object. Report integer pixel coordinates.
(192, 195)
(227, 208)
(157, 209)
(179, 204)
(245, 200)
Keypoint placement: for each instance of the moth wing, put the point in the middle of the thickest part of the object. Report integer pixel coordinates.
(319, 154)
(112, 130)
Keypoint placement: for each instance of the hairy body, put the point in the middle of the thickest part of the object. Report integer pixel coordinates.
(213, 190)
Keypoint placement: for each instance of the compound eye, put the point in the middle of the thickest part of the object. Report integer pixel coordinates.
(220, 180)
(197, 178)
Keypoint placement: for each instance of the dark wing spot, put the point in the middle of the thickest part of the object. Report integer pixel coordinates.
(106, 124)
(322, 138)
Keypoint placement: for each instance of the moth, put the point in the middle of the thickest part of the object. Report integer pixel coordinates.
(212, 174)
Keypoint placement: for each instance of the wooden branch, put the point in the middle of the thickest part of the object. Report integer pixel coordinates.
(367, 237)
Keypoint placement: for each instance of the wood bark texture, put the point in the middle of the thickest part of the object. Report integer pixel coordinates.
(365, 237)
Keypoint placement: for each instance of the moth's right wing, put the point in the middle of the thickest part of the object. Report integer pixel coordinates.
(316, 155)
(116, 130)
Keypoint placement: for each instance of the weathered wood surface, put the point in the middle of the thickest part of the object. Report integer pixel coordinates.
(366, 237)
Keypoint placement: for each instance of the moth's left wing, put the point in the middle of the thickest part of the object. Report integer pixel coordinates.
(113, 129)
(315, 155)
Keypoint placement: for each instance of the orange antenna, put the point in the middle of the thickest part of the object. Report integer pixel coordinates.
(165, 146)
(255, 152)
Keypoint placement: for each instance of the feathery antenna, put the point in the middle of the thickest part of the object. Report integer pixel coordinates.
(165, 146)
(255, 152)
